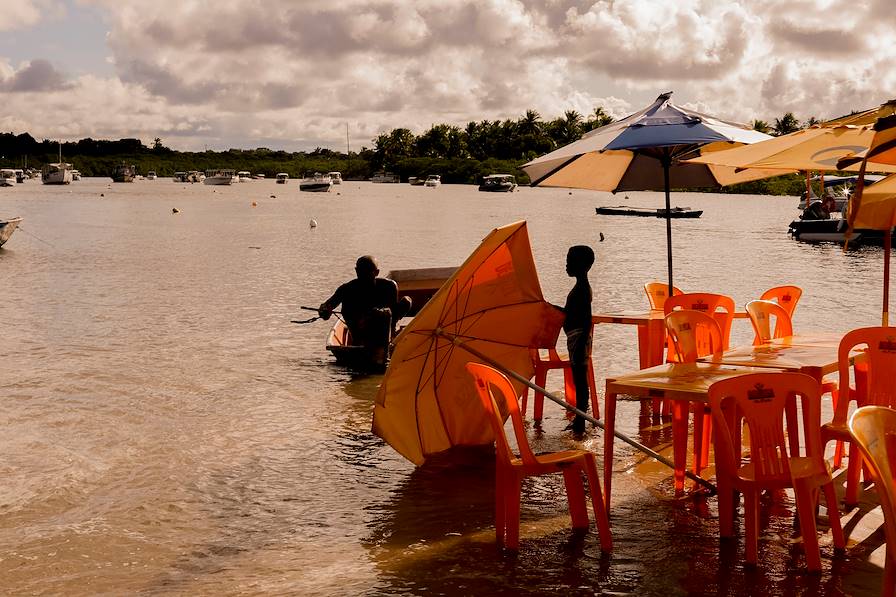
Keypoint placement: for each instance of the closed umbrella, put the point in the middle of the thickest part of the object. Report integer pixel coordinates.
(645, 152)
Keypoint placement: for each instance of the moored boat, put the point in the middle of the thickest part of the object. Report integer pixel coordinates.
(647, 212)
(388, 177)
(151, 175)
(416, 181)
(498, 183)
(20, 175)
(219, 177)
(7, 227)
(282, 177)
(58, 173)
(243, 176)
(76, 175)
(318, 183)
(336, 177)
(124, 173)
(7, 177)
(432, 181)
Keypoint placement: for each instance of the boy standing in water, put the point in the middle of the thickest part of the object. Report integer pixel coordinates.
(577, 327)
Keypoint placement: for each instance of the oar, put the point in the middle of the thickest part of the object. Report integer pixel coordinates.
(316, 310)
(569, 407)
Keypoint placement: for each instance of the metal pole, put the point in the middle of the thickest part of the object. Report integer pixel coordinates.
(667, 161)
(885, 313)
(638, 446)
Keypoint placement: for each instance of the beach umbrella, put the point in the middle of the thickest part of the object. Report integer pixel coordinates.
(869, 116)
(645, 152)
(493, 304)
(874, 207)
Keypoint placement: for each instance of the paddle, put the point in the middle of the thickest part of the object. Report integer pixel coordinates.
(316, 310)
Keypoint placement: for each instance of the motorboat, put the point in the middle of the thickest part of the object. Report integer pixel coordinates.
(124, 173)
(416, 181)
(219, 177)
(7, 177)
(282, 177)
(151, 175)
(649, 212)
(7, 227)
(180, 177)
(318, 183)
(244, 176)
(20, 175)
(498, 183)
(76, 175)
(387, 177)
(258, 176)
(57, 173)
(840, 187)
(432, 181)
(336, 177)
(417, 284)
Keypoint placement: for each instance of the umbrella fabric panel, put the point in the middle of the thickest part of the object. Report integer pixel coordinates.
(651, 135)
(877, 206)
(867, 116)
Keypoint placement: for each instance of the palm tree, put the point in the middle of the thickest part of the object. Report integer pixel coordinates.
(786, 124)
(530, 123)
(762, 126)
(598, 119)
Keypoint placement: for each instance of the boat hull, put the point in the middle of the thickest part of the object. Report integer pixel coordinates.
(7, 227)
(315, 187)
(218, 180)
(508, 188)
(833, 231)
(645, 212)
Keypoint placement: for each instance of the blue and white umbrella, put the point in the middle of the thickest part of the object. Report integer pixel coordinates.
(644, 152)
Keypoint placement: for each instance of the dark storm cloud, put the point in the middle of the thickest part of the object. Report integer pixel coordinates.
(817, 40)
(38, 76)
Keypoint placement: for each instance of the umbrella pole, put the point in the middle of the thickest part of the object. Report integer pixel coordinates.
(569, 407)
(667, 159)
(888, 241)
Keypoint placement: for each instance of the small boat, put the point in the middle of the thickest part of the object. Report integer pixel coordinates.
(336, 177)
(432, 181)
(418, 284)
(20, 175)
(840, 187)
(244, 176)
(124, 173)
(498, 183)
(258, 176)
(388, 177)
(415, 181)
(7, 227)
(76, 175)
(318, 183)
(282, 177)
(151, 175)
(647, 212)
(833, 230)
(58, 173)
(219, 177)
(7, 177)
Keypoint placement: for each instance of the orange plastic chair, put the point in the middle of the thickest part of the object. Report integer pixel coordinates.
(875, 386)
(555, 361)
(761, 314)
(658, 292)
(786, 296)
(694, 335)
(766, 402)
(874, 430)
(510, 469)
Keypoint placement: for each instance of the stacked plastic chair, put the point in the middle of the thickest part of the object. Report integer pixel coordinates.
(497, 395)
(555, 361)
(786, 296)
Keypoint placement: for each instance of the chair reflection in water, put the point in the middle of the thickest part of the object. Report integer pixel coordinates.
(873, 428)
(767, 403)
(498, 396)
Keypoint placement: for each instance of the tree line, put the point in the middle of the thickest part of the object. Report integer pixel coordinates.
(460, 155)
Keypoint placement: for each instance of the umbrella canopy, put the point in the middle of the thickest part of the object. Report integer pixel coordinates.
(493, 303)
(645, 152)
(870, 116)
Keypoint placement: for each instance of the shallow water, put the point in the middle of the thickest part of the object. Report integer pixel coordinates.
(166, 430)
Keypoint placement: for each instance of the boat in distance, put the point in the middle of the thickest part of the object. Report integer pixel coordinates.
(418, 284)
(335, 176)
(648, 212)
(498, 183)
(58, 173)
(282, 177)
(385, 177)
(7, 177)
(432, 181)
(416, 181)
(7, 227)
(318, 183)
(219, 177)
(244, 176)
(124, 173)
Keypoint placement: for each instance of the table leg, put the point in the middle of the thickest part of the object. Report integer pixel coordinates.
(656, 332)
(644, 346)
(609, 438)
(680, 411)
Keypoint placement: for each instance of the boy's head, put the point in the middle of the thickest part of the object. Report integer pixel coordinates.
(579, 260)
(366, 267)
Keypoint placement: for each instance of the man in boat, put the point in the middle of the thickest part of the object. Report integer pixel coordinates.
(371, 308)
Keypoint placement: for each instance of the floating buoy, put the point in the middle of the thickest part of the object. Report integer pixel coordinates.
(570, 192)
(313, 223)
(273, 196)
(601, 237)
(626, 197)
(254, 204)
(102, 194)
(174, 210)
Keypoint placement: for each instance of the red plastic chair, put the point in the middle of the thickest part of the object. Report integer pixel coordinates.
(875, 379)
(694, 335)
(761, 315)
(658, 292)
(510, 469)
(767, 403)
(555, 361)
(873, 429)
(786, 296)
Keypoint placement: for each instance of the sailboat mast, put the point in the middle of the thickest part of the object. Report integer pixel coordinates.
(348, 147)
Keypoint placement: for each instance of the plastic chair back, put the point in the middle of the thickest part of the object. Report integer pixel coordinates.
(694, 335)
(875, 379)
(761, 314)
(719, 306)
(786, 296)
(498, 408)
(658, 292)
(874, 431)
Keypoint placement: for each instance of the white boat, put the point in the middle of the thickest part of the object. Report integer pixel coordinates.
(258, 176)
(432, 181)
(318, 183)
(58, 173)
(282, 177)
(76, 175)
(498, 183)
(384, 177)
(244, 176)
(7, 177)
(219, 177)
(20, 175)
(151, 175)
(336, 177)
(7, 227)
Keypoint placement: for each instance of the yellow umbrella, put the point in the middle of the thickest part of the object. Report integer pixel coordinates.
(493, 304)
(887, 108)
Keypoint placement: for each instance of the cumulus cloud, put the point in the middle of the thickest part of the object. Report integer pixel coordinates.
(18, 14)
(229, 73)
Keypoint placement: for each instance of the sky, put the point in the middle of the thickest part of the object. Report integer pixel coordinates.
(299, 74)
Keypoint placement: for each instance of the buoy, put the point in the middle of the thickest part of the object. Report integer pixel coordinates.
(102, 194)
(175, 210)
(273, 196)
(254, 204)
(313, 223)
(601, 237)
(626, 197)
(570, 192)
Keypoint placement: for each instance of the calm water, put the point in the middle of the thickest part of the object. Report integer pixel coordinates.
(166, 430)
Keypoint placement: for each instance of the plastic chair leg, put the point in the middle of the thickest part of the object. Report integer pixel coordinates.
(805, 506)
(751, 525)
(538, 400)
(726, 507)
(853, 472)
(830, 497)
(500, 503)
(681, 410)
(575, 495)
(699, 426)
(512, 490)
(601, 520)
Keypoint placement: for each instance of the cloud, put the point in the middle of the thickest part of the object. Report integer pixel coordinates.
(20, 14)
(36, 76)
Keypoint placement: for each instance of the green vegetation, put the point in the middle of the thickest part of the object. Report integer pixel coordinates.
(460, 155)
